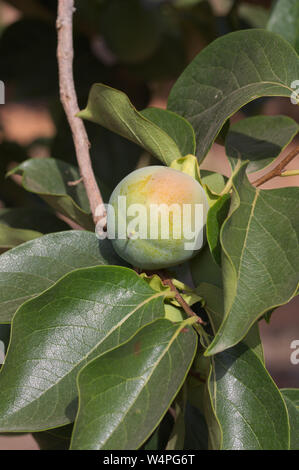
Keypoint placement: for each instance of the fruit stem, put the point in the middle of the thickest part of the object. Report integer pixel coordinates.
(168, 282)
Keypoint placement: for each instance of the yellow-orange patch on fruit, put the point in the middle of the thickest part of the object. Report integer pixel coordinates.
(169, 189)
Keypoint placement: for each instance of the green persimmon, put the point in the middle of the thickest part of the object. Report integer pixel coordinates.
(156, 217)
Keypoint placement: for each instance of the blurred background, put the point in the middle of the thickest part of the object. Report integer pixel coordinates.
(139, 47)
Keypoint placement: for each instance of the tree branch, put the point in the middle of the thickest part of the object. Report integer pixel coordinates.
(278, 169)
(65, 55)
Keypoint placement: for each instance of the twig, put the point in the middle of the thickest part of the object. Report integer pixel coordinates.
(278, 169)
(75, 183)
(65, 54)
(168, 282)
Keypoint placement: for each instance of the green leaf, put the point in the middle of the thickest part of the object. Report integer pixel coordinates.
(31, 268)
(216, 217)
(248, 406)
(124, 394)
(216, 84)
(293, 411)
(259, 139)
(263, 226)
(173, 313)
(49, 178)
(113, 110)
(11, 237)
(215, 181)
(175, 126)
(284, 20)
(86, 313)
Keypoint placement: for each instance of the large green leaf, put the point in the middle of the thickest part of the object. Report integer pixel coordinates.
(86, 313)
(259, 139)
(232, 71)
(284, 20)
(49, 178)
(263, 227)
(124, 394)
(250, 410)
(31, 268)
(175, 126)
(112, 109)
(293, 411)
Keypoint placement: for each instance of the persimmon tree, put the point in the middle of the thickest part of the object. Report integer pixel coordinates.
(104, 356)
